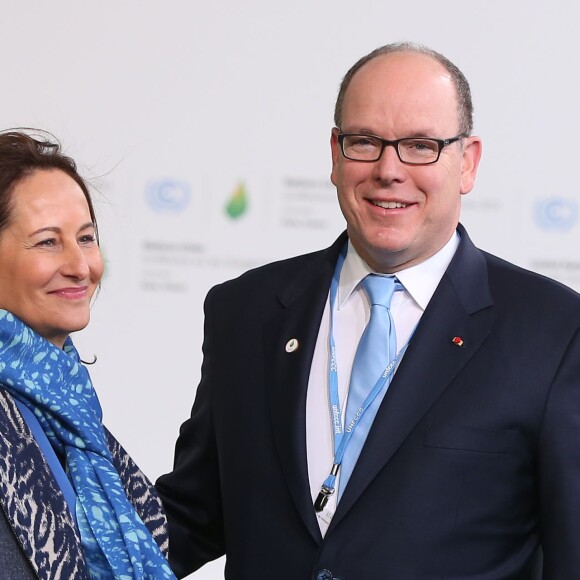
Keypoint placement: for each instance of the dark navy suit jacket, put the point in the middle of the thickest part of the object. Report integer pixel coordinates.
(472, 463)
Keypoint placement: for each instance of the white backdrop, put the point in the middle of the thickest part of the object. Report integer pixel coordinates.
(205, 128)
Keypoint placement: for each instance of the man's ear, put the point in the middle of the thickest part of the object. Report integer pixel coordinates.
(469, 163)
(335, 151)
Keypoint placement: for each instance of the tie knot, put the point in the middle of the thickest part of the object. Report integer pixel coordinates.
(380, 289)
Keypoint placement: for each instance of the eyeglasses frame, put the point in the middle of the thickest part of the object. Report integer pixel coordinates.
(441, 143)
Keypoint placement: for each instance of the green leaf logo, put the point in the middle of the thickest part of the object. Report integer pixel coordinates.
(238, 203)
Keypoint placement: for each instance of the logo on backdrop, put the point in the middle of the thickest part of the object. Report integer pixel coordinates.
(237, 204)
(556, 214)
(168, 195)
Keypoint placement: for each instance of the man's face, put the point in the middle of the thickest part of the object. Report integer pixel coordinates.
(394, 96)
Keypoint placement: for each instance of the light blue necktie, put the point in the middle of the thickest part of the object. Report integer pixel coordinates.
(376, 349)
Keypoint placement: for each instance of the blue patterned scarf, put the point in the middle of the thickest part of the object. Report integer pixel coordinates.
(58, 390)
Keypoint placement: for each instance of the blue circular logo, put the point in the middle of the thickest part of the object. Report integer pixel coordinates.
(168, 195)
(556, 214)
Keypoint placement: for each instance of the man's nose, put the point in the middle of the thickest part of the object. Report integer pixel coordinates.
(389, 167)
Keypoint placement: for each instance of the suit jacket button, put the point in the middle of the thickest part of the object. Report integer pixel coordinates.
(324, 575)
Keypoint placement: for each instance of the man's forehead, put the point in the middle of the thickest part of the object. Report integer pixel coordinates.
(412, 67)
(412, 85)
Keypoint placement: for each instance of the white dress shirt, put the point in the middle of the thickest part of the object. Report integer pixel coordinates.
(352, 311)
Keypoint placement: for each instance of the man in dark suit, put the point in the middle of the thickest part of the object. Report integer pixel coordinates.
(467, 464)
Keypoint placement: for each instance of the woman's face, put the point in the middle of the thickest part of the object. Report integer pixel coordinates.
(50, 263)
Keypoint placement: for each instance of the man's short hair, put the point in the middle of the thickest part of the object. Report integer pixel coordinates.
(464, 103)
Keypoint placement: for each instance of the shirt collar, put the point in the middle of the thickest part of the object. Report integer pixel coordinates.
(420, 281)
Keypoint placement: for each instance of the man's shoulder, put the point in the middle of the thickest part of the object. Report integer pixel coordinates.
(506, 280)
(285, 272)
(510, 275)
(521, 293)
(279, 267)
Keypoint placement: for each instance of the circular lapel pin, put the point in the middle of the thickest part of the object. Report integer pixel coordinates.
(457, 341)
(292, 345)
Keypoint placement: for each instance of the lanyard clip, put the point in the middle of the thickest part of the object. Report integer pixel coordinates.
(322, 498)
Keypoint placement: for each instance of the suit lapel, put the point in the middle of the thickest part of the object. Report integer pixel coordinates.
(302, 305)
(460, 307)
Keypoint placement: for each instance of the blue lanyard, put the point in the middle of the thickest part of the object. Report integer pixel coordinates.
(50, 456)
(342, 436)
